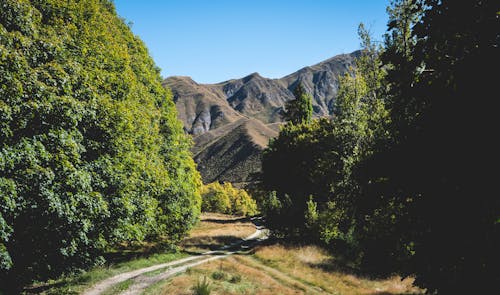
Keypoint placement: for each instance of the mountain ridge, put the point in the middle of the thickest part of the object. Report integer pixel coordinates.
(232, 121)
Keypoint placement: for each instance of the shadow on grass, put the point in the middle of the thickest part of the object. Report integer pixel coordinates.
(210, 242)
(337, 263)
(227, 221)
(126, 253)
(37, 289)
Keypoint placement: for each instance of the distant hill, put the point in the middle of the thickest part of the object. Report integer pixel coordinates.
(232, 121)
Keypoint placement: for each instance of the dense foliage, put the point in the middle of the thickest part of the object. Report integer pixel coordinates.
(224, 198)
(438, 166)
(299, 109)
(311, 165)
(91, 152)
(400, 179)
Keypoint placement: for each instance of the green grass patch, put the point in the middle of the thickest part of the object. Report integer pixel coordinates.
(118, 288)
(76, 284)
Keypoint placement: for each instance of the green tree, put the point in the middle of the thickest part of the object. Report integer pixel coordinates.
(224, 198)
(440, 160)
(300, 109)
(91, 152)
(320, 158)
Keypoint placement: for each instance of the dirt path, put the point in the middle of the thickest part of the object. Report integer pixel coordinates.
(281, 277)
(141, 281)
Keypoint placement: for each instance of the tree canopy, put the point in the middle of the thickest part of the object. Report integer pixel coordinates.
(399, 179)
(300, 109)
(91, 152)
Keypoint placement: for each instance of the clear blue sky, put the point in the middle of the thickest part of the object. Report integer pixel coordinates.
(215, 40)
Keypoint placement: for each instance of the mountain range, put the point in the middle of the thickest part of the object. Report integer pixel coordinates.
(231, 122)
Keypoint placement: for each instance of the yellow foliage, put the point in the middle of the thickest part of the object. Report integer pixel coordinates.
(224, 198)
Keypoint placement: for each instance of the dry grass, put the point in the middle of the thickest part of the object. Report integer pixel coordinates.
(313, 266)
(216, 230)
(253, 281)
(274, 269)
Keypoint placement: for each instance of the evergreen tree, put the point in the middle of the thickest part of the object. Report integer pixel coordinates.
(300, 109)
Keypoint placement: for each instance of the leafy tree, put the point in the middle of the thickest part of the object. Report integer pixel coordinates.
(437, 167)
(312, 165)
(91, 152)
(288, 171)
(224, 198)
(401, 177)
(300, 109)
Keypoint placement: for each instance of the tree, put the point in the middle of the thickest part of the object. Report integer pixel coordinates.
(300, 109)
(91, 152)
(436, 169)
(312, 165)
(224, 198)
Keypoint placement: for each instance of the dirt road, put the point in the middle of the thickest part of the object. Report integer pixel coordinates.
(141, 280)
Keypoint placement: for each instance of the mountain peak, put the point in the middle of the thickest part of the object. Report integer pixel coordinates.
(254, 75)
(232, 121)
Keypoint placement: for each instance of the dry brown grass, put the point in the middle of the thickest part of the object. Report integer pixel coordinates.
(274, 269)
(253, 281)
(215, 230)
(314, 266)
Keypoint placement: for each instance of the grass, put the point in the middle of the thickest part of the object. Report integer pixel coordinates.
(270, 269)
(216, 230)
(315, 267)
(213, 231)
(279, 269)
(218, 275)
(76, 284)
(251, 280)
(202, 287)
(118, 288)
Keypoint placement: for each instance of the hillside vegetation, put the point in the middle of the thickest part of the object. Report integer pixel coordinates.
(91, 152)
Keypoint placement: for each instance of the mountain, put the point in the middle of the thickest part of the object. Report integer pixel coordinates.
(231, 122)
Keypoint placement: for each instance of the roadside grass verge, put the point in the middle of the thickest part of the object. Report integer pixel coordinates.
(76, 284)
(315, 267)
(225, 276)
(213, 231)
(279, 269)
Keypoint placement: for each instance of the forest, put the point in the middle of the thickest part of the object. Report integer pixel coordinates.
(401, 179)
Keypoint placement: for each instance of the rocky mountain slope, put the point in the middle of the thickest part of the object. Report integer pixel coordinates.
(232, 121)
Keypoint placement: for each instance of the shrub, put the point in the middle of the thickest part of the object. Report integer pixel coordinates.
(218, 275)
(224, 198)
(235, 279)
(202, 287)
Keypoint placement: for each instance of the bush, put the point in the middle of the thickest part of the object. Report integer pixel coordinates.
(224, 198)
(235, 279)
(202, 288)
(218, 275)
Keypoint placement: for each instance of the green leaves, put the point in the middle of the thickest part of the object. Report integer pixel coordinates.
(300, 109)
(224, 198)
(91, 152)
(322, 157)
